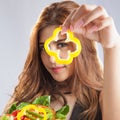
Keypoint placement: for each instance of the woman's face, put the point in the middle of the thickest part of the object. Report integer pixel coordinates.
(59, 72)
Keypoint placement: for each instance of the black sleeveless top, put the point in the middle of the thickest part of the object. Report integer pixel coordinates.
(78, 109)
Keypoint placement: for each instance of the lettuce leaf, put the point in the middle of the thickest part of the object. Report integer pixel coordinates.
(42, 100)
(21, 105)
(12, 108)
(61, 113)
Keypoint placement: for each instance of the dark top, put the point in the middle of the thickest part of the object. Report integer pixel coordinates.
(78, 109)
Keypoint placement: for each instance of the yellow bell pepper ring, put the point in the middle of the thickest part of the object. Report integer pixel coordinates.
(55, 54)
(32, 107)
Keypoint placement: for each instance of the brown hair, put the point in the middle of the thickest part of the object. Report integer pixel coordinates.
(35, 80)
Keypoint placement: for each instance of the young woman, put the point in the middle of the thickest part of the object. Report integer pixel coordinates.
(91, 93)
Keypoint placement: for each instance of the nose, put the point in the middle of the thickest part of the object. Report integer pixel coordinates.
(52, 59)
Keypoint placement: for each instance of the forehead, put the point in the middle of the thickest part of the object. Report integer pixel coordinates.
(47, 32)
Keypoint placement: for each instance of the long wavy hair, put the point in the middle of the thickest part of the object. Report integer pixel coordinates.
(35, 80)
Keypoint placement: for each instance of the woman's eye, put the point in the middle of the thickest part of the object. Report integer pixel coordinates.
(61, 45)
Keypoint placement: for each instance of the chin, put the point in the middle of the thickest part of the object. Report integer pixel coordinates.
(60, 79)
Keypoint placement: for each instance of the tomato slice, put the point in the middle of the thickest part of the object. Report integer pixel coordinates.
(14, 113)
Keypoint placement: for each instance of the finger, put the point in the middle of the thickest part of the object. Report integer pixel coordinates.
(98, 12)
(66, 24)
(104, 23)
(99, 25)
(81, 11)
(76, 20)
(75, 15)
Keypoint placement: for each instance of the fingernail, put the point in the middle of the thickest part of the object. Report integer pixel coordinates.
(79, 23)
(93, 29)
(71, 28)
(64, 29)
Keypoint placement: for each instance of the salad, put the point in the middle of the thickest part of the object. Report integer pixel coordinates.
(39, 109)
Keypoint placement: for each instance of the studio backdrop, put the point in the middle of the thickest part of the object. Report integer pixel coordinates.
(17, 18)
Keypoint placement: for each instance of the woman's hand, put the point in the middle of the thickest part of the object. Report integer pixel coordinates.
(93, 23)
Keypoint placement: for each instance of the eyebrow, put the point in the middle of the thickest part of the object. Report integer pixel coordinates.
(59, 40)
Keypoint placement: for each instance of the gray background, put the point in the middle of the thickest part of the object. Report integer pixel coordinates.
(17, 18)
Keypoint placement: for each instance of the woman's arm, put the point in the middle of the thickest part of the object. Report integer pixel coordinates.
(111, 90)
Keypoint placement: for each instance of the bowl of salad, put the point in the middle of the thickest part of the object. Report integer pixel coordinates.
(39, 109)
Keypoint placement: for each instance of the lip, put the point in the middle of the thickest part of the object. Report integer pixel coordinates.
(57, 69)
